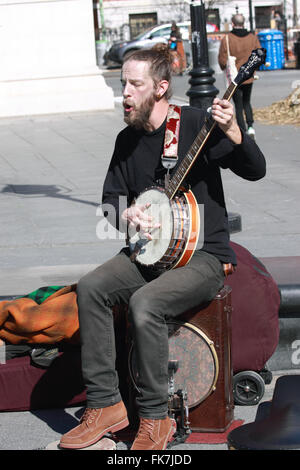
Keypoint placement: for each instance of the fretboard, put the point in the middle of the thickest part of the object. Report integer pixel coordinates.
(196, 147)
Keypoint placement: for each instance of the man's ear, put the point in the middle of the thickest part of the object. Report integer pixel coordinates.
(161, 88)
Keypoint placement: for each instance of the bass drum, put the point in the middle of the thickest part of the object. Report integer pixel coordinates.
(196, 357)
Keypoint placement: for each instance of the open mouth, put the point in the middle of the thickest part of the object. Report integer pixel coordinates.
(127, 108)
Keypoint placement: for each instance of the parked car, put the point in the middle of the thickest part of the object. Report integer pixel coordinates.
(147, 39)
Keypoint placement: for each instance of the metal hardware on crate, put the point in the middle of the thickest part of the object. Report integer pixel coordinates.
(178, 407)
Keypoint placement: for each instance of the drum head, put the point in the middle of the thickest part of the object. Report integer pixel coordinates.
(197, 360)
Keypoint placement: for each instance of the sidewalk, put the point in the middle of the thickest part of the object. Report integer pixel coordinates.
(51, 175)
(37, 429)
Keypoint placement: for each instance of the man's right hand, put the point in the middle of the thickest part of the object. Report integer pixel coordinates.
(138, 221)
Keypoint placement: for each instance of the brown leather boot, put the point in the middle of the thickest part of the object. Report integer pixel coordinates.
(94, 423)
(154, 434)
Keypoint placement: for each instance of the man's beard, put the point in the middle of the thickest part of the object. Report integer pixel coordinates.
(139, 117)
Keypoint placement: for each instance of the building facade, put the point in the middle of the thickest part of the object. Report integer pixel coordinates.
(125, 19)
(48, 59)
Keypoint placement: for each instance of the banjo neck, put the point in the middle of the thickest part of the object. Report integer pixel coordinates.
(256, 59)
(195, 149)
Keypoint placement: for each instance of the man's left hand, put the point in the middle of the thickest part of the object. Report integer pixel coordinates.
(223, 113)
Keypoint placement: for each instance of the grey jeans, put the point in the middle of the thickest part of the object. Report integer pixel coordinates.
(152, 299)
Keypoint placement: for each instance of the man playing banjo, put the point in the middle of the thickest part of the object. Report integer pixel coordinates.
(153, 294)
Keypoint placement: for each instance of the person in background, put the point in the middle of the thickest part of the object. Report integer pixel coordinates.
(276, 20)
(241, 44)
(176, 44)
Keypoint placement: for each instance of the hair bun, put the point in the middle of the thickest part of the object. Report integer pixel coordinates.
(164, 50)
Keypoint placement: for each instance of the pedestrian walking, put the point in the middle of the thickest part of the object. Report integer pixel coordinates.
(241, 43)
(177, 49)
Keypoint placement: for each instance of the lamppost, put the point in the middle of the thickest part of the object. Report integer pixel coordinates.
(286, 52)
(250, 15)
(202, 91)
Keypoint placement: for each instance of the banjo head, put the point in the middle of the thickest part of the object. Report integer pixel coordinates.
(151, 251)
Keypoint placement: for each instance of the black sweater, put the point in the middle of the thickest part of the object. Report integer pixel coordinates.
(136, 165)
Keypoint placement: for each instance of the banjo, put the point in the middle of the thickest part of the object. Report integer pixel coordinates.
(173, 208)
